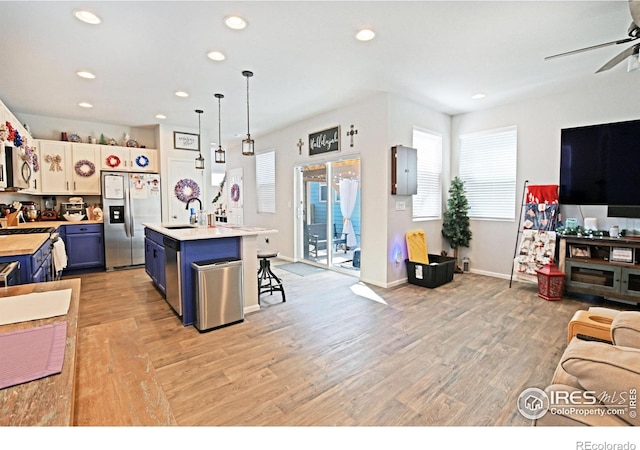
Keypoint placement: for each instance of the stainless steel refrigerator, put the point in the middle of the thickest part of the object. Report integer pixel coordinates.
(128, 200)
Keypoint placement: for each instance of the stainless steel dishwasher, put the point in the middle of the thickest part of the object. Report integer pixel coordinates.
(173, 286)
(219, 293)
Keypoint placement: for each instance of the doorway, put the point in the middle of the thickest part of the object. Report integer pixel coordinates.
(328, 220)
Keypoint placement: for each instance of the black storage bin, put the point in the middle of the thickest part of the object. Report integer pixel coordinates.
(438, 272)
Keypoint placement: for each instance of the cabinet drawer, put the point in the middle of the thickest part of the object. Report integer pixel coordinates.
(37, 258)
(81, 229)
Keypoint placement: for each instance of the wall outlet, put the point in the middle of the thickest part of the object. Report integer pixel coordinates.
(266, 240)
(401, 206)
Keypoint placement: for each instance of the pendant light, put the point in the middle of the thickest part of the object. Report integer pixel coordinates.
(199, 159)
(220, 153)
(247, 143)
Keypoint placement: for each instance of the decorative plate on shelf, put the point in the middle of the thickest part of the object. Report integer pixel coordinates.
(132, 143)
(74, 138)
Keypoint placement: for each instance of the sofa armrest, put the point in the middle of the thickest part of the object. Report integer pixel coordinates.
(625, 329)
(611, 372)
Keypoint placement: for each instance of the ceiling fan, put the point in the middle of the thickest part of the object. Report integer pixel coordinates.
(633, 32)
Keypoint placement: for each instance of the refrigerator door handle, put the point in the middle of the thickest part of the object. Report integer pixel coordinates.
(130, 207)
(127, 210)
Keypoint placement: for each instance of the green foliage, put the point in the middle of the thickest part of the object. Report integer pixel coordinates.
(455, 227)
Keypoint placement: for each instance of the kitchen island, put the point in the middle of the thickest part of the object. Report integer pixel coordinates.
(48, 401)
(171, 248)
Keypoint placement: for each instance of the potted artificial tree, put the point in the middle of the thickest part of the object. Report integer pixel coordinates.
(455, 227)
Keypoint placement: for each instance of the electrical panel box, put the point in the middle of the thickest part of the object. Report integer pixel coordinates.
(404, 170)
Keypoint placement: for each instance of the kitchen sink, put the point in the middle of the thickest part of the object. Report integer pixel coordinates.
(178, 227)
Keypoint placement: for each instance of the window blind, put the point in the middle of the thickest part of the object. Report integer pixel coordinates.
(488, 169)
(427, 203)
(266, 181)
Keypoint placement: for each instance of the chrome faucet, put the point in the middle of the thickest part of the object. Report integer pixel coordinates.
(192, 199)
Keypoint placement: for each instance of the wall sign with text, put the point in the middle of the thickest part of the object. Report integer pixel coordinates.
(324, 141)
(186, 141)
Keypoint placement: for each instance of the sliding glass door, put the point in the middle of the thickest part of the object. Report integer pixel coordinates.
(328, 214)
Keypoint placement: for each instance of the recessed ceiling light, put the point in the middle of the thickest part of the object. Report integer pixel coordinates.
(216, 56)
(365, 35)
(85, 74)
(87, 17)
(478, 96)
(85, 105)
(235, 22)
(160, 116)
(181, 94)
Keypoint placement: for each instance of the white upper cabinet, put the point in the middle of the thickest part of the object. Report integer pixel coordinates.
(128, 159)
(86, 168)
(55, 167)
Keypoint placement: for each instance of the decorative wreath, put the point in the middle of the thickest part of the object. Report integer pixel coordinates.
(32, 157)
(186, 189)
(113, 161)
(235, 192)
(142, 161)
(85, 168)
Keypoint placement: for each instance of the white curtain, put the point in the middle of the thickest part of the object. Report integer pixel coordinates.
(348, 194)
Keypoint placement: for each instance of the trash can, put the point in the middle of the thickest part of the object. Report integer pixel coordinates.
(219, 293)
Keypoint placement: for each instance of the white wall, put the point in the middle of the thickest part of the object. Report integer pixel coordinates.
(539, 122)
(382, 120)
(404, 114)
(50, 128)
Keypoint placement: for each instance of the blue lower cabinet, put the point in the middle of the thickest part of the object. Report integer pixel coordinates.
(154, 263)
(85, 246)
(34, 268)
(200, 250)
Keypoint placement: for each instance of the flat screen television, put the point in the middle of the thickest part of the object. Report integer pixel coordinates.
(600, 164)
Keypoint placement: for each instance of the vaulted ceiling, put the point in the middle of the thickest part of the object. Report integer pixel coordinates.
(303, 54)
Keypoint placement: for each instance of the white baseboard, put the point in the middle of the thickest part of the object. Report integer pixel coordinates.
(250, 309)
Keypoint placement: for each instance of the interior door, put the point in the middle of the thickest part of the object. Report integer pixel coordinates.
(183, 178)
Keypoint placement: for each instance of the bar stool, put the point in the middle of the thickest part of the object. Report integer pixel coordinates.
(267, 280)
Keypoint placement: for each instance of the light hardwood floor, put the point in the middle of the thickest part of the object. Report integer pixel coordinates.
(459, 354)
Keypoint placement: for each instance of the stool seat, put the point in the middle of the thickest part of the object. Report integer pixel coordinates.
(267, 254)
(267, 280)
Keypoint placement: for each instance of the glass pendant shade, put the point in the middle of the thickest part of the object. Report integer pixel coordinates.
(199, 159)
(200, 162)
(220, 155)
(247, 146)
(248, 143)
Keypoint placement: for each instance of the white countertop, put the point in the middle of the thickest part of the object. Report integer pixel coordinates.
(193, 233)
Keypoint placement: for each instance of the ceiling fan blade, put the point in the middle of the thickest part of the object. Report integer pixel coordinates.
(634, 9)
(593, 47)
(617, 59)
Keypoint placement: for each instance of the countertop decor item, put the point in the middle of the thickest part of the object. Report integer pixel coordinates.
(132, 143)
(73, 217)
(186, 189)
(75, 138)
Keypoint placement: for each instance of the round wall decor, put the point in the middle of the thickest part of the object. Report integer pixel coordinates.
(235, 192)
(186, 189)
(85, 168)
(142, 161)
(113, 161)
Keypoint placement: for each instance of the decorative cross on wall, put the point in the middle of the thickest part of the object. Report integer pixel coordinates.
(350, 133)
(300, 144)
